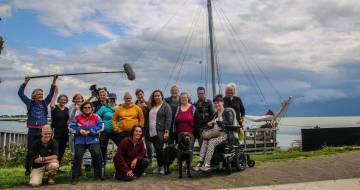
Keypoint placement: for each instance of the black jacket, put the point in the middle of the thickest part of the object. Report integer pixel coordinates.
(228, 118)
(203, 114)
(236, 104)
(38, 149)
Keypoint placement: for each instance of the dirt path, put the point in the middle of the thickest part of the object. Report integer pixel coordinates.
(338, 166)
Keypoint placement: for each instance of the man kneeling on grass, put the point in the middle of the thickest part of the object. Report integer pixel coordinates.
(130, 160)
(44, 153)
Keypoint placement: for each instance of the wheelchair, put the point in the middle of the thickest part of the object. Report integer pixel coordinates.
(230, 153)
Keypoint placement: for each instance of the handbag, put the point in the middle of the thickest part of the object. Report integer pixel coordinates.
(210, 133)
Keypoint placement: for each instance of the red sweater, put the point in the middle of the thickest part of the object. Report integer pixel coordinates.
(127, 152)
(185, 121)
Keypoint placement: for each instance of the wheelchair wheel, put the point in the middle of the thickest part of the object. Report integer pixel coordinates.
(251, 163)
(228, 167)
(240, 162)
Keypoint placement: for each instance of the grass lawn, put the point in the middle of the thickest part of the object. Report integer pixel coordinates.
(10, 177)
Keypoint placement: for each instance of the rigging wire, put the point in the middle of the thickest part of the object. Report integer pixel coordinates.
(180, 73)
(157, 34)
(203, 65)
(207, 66)
(242, 66)
(248, 68)
(217, 63)
(250, 57)
(183, 48)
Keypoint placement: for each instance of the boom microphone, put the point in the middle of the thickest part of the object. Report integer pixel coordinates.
(129, 71)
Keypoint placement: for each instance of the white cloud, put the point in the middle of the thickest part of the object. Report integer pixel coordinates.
(5, 11)
(50, 52)
(68, 18)
(321, 95)
(299, 45)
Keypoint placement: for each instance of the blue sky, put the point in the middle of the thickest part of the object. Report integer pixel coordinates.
(25, 33)
(308, 50)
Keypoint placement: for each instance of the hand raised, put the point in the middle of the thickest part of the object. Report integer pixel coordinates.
(26, 79)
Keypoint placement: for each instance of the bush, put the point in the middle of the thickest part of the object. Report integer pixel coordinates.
(13, 156)
(67, 158)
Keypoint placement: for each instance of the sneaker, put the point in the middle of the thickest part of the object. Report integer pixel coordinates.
(205, 168)
(197, 167)
(156, 170)
(51, 180)
(162, 171)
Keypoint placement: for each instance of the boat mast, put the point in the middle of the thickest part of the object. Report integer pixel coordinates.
(212, 56)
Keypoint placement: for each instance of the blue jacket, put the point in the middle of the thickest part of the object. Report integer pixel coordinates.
(106, 112)
(91, 123)
(37, 112)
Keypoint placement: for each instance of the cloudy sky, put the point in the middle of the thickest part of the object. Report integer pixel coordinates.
(302, 48)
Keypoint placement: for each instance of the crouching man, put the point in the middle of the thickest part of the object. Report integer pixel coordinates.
(130, 160)
(44, 153)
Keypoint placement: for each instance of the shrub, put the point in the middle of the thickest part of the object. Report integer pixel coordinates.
(13, 156)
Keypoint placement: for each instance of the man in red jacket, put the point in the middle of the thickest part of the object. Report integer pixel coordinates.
(130, 160)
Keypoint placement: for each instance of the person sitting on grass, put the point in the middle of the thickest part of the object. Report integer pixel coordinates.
(130, 160)
(44, 154)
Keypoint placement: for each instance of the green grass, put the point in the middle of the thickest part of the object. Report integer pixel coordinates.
(296, 153)
(11, 177)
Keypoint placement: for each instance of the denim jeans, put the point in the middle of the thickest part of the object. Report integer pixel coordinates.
(149, 149)
(32, 136)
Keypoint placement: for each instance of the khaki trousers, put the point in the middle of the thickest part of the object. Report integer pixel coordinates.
(37, 174)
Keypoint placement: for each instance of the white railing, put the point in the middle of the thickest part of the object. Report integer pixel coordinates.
(10, 138)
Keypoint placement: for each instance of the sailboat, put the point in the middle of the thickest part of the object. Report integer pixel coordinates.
(260, 131)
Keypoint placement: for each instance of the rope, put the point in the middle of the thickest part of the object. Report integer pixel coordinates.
(188, 47)
(207, 68)
(250, 57)
(248, 68)
(157, 34)
(184, 47)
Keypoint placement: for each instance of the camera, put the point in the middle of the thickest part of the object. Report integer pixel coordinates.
(95, 91)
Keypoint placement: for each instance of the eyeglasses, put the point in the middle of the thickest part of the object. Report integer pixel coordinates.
(86, 107)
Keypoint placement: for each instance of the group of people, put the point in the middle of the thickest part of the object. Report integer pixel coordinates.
(138, 128)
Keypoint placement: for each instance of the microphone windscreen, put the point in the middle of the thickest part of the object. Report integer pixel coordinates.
(129, 71)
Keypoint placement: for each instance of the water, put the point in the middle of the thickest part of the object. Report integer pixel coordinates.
(289, 128)
(13, 126)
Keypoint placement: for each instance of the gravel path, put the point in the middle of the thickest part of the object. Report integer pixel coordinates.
(338, 166)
